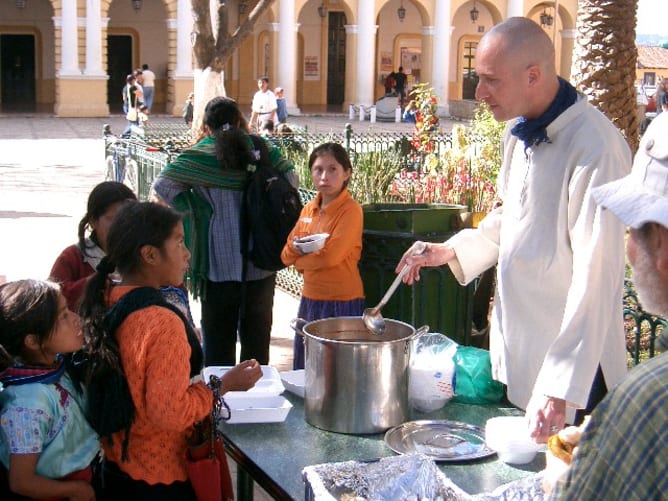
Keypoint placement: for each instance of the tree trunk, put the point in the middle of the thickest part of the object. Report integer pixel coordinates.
(604, 61)
(212, 48)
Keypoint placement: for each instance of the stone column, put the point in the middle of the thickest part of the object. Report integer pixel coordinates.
(441, 55)
(350, 92)
(69, 50)
(94, 40)
(366, 50)
(515, 8)
(182, 81)
(287, 57)
(184, 47)
(567, 42)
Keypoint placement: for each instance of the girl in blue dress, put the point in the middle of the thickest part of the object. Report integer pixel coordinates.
(46, 445)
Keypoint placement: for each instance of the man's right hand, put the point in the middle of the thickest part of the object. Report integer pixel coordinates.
(433, 255)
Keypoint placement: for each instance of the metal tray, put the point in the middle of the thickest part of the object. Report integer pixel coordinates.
(440, 440)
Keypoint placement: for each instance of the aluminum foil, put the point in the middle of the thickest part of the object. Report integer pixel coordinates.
(410, 477)
(414, 477)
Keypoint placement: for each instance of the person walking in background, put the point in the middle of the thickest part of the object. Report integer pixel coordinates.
(556, 338)
(621, 454)
(77, 262)
(332, 281)
(264, 104)
(661, 91)
(47, 445)
(132, 98)
(281, 105)
(207, 181)
(188, 109)
(400, 80)
(148, 86)
(145, 413)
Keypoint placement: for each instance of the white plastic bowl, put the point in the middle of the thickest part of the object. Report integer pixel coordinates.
(509, 437)
(311, 243)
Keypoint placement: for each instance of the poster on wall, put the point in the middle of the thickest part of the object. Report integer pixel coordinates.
(386, 61)
(311, 66)
(411, 60)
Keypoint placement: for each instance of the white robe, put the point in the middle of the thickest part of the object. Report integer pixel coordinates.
(558, 307)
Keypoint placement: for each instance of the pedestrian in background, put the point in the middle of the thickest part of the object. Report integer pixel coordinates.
(264, 104)
(281, 105)
(148, 86)
(188, 109)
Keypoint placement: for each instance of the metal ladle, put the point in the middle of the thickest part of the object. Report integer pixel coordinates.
(373, 320)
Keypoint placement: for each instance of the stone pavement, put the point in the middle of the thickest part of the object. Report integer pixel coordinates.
(46, 126)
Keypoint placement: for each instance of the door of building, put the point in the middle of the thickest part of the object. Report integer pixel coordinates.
(336, 58)
(17, 72)
(119, 65)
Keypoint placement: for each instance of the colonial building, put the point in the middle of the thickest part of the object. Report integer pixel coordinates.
(71, 57)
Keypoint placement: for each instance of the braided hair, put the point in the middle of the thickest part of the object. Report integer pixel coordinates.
(136, 225)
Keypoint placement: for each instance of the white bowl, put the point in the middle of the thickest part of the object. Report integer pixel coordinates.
(311, 243)
(509, 437)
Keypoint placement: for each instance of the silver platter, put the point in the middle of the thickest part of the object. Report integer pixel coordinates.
(440, 440)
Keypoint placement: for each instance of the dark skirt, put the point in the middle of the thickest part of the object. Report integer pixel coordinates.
(311, 309)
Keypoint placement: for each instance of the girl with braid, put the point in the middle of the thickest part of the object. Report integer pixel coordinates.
(143, 355)
(46, 444)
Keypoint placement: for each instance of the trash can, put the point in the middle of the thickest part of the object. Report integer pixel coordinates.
(437, 299)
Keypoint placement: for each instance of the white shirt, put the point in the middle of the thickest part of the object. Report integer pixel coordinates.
(264, 102)
(149, 78)
(558, 308)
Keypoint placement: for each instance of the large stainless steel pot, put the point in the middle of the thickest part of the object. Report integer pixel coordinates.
(356, 381)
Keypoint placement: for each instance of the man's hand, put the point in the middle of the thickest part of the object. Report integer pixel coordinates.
(547, 415)
(433, 255)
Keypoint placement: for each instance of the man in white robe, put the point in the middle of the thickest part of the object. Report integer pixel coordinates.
(557, 315)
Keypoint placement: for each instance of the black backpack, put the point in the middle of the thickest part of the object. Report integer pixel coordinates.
(270, 209)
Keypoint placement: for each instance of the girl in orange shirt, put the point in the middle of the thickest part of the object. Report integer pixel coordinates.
(143, 402)
(332, 282)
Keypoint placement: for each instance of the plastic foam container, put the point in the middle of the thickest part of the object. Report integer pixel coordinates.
(260, 404)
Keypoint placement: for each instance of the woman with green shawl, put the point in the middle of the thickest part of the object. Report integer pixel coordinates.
(206, 183)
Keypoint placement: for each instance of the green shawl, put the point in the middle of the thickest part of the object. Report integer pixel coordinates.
(198, 166)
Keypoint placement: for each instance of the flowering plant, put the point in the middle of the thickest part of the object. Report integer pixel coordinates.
(464, 174)
(426, 117)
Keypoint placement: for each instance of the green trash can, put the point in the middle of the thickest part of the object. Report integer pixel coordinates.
(437, 299)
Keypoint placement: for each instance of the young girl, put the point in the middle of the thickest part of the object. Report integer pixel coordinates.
(145, 411)
(332, 282)
(47, 445)
(78, 261)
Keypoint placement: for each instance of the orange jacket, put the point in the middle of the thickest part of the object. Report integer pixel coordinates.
(330, 274)
(156, 359)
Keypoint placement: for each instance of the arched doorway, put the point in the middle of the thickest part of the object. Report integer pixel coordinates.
(336, 58)
(17, 73)
(119, 65)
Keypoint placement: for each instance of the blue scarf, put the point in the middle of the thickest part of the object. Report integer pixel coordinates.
(533, 132)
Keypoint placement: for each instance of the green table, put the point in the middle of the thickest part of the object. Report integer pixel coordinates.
(274, 454)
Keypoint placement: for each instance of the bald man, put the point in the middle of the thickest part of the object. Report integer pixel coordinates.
(556, 337)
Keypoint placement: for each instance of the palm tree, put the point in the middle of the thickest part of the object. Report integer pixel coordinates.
(604, 61)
